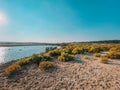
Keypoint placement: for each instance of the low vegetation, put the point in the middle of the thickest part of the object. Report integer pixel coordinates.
(86, 57)
(67, 53)
(54, 53)
(97, 55)
(13, 68)
(36, 59)
(65, 57)
(104, 60)
(46, 65)
(50, 48)
(114, 53)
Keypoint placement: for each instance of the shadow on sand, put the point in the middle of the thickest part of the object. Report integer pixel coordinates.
(77, 61)
(113, 63)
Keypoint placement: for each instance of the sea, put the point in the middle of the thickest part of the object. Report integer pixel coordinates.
(14, 53)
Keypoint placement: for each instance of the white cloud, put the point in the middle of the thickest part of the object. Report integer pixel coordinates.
(3, 18)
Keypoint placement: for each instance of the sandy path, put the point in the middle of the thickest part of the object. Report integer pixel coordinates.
(74, 75)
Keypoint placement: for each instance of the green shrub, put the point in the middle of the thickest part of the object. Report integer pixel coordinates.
(32, 59)
(17, 65)
(66, 50)
(104, 60)
(35, 59)
(13, 68)
(54, 53)
(65, 57)
(38, 58)
(114, 49)
(45, 58)
(46, 65)
(114, 55)
(23, 61)
(97, 54)
(78, 51)
(95, 49)
(47, 49)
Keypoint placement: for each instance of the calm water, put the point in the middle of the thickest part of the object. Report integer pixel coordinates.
(14, 53)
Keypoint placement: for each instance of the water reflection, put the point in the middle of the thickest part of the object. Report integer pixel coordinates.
(3, 53)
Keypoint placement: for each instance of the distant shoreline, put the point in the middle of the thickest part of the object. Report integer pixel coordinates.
(11, 44)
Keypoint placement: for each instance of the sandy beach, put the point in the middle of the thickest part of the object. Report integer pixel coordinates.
(79, 74)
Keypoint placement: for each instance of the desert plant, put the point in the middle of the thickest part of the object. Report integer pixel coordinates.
(97, 54)
(35, 59)
(65, 57)
(95, 49)
(45, 57)
(46, 65)
(47, 49)
(66, 50)
(41, 57)
(114, 55)
(54, 53)
(13, 68)
(78, 51)
(24, 61)
(86, 57)
(104, 60)
(114, 49)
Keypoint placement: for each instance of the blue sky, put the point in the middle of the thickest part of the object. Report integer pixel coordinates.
(59, 20)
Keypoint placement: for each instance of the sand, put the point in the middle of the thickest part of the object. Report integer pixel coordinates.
(74, 75)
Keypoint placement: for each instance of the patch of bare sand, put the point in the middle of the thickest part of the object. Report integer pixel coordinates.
(74, 75)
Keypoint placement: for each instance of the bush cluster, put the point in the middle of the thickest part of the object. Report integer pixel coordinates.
(104, 60)
(95, 49)
(54, 53)
(13, 68)
(86, 57)
(65, 57)
(46, 65)
(97, 55)
(114, 53)
(47, 49)
(78, 51)
(33, 59)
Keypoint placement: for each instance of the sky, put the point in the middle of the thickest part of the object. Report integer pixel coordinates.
(59, 20)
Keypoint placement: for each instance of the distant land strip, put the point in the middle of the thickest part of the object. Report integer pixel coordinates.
(25, 44)
(9, 44)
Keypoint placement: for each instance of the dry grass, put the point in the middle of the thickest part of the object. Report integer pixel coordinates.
(54, 53)
(97, 55)
(114, 55)
(104, 60)
(13, 68)
(86, 57)
(46, 65)
(65, 57)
